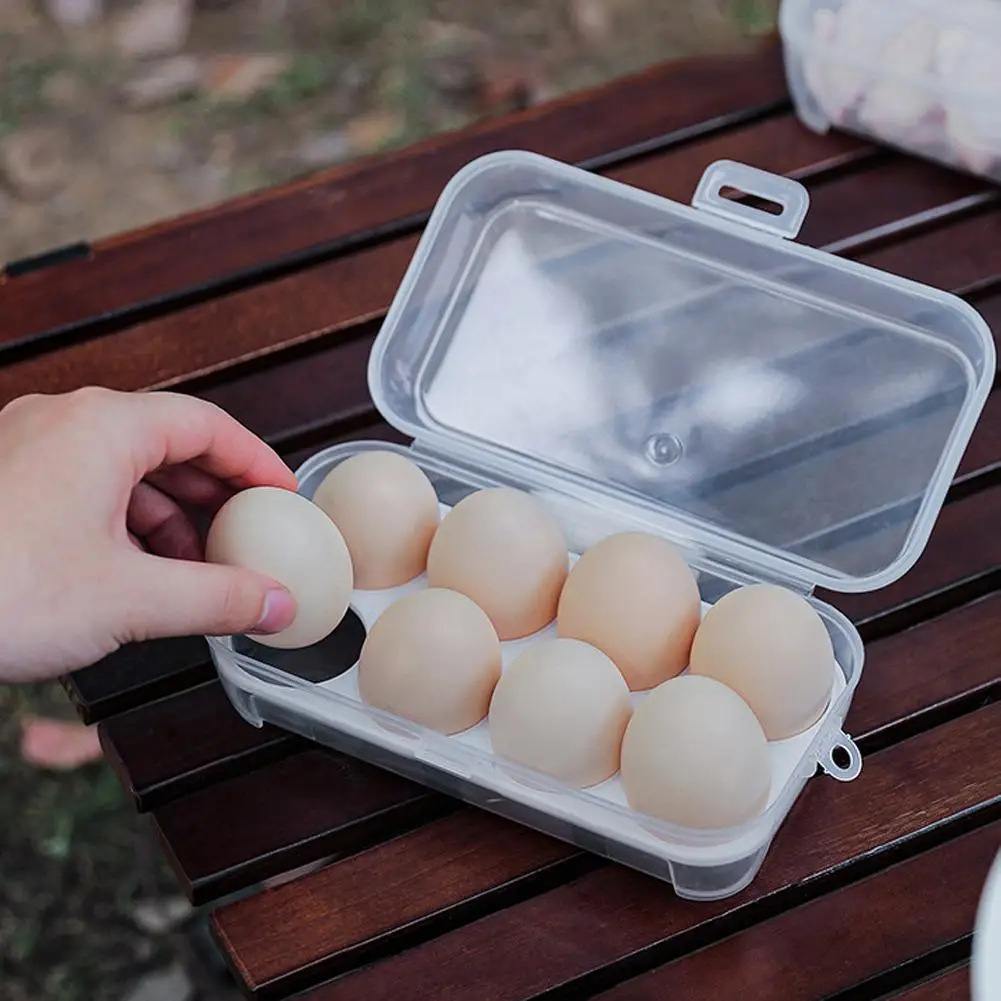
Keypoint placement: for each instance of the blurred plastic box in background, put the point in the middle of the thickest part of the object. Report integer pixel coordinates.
(922, 75)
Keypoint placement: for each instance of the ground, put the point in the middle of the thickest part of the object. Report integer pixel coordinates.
(132, 117)
(128, 119)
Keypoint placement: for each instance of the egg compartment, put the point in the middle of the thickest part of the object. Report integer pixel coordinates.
(275, 686)
(919, 75)
(781, 415)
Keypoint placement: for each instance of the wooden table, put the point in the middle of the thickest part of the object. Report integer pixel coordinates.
(268, 306)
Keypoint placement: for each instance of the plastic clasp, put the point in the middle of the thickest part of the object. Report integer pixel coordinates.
(789, 195)
(842, 760)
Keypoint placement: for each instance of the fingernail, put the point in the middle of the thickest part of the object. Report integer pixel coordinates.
(279, 611)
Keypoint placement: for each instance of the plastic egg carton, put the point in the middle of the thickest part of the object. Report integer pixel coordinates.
(703, 864)
(779, 414)
(921, 75)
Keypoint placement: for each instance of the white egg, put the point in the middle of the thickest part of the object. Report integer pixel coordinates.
(432, 657)
(561, 708)
(772, 648)
(695, 755)
(286, 537)
(634, 597)
(387, 511)
(504, 550)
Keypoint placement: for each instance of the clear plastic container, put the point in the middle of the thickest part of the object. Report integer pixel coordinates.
(779, 414)
(921, 75)
(985, 961)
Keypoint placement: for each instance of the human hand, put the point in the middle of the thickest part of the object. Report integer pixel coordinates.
(97, 547)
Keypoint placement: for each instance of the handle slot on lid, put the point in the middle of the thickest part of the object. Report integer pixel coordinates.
(789, 197)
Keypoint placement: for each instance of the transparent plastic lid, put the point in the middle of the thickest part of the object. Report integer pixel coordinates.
(786, 410)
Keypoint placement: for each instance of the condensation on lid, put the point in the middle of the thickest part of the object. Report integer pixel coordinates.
(787, 408)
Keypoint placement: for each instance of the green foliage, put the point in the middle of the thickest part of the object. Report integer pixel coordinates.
(21, 84)
(755, 17)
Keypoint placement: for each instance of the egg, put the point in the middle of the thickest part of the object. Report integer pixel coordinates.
(633, 597)
(504, 550)
(286, 537)
(561, 708)
(770, 646)
(695, 755)
(387, 511)
(432, 657)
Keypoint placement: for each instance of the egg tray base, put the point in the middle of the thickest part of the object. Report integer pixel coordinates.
(286, 690)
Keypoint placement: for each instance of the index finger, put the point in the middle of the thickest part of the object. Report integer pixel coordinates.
(170, 428)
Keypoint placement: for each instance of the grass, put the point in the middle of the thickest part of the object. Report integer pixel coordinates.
(755, 17)
(75, 858)
(22, 83)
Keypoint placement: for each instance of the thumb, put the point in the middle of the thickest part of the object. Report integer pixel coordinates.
(170, 597)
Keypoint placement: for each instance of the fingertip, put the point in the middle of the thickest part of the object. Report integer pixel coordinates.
(278, 612)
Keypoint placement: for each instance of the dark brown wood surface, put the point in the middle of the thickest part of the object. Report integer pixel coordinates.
(836, 832)
(920, 906)
(268, 306)
(954, 985)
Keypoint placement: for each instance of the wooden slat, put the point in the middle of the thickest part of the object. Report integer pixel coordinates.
(296, 392)
(208, 741)
(960, 547)
(138, 673)
(982, 454)
(835, 832)
(951, 986)
(349, 908)
(245, 326)
(665, 103)
(322, 802)
(951, 668)
(964, 254)
(873, 934)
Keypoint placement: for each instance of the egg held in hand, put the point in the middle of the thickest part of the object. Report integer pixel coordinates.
(695, 755)
(286, 537)
(561, 708)
(387, 511)
(772, 648)
(634, 597)
(504, 550)
(432, 657)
